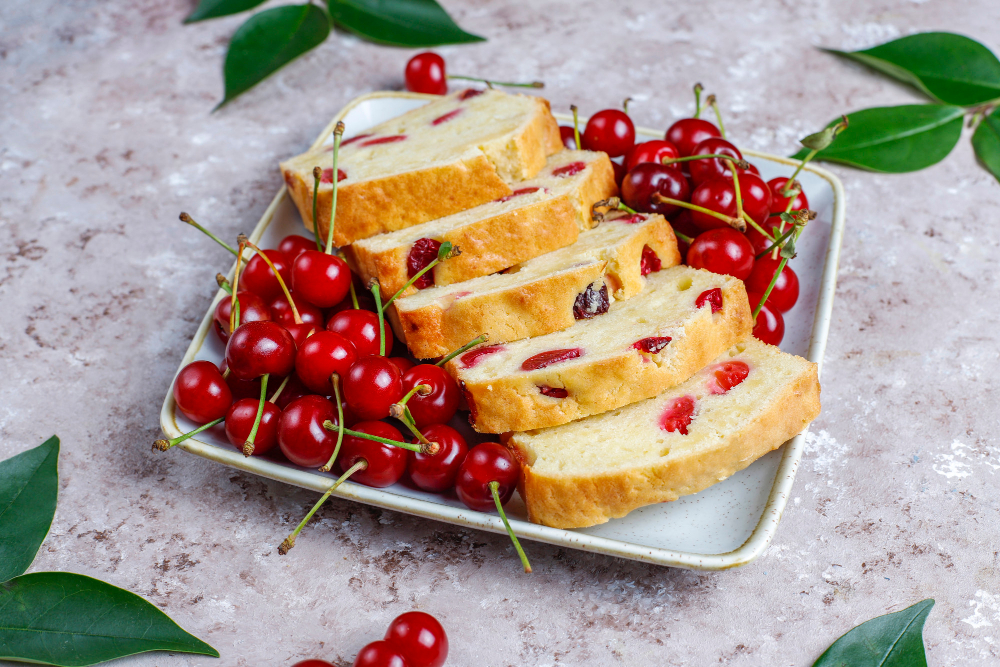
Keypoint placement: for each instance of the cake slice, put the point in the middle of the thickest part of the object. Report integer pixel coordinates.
(543, 214)
(683, 319)
(748, 402)
(545, 294)
(454, 153)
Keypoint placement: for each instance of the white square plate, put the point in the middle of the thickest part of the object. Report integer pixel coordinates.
(727, 525)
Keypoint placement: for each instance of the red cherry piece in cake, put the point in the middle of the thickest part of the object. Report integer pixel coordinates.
(553, 392)
(652, 345)
(722, 250)
(473, 357)
(570, 169)
(518, 193)
(327, 176)
(650, 261)
(689, 132)
(549, 357)
(383, 140)
(425, 73)
(446, 117)
(677, 416)
(654, 151)
(711, 297)
(348, 142)
(422, 253)
(727, 375)
(568, 136)
(591, 303)
(611, 131)
(469, 93)
(631, 219)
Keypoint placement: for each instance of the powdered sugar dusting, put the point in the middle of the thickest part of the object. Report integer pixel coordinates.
(825, 451)
(986, 606)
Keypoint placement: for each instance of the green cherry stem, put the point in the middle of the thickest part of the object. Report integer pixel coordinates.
(223, 284)
(576, 125)
(335, 379)
(494, 486)
(490, 83)
(732, 222)
(379, 310)
(234, 309)
(446, 251)
(767, 292)
(625, 104)
(710, 101)
(281, 388)
(289, 541)
(338, 133)
(683, 237)
(482, 338)
(777, 243)
(432, 449)
(281, 281)
(697, 99)
(317, 175)
(189, 220)
(248, 445)
(741, 164)
(163, 445)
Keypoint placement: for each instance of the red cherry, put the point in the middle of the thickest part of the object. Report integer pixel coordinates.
(485, 463)
(786, 290)
(300, 332)
(252, 309)
(677, 416)
(437, 406)
(312, 663)
(402, 363)
(425, 74)
(386, 463)
(436, 473)
(716, 195)
(769, 327)
(320, 356)
(301, 435)
(240, 420)
(294, 245)
(260, 348)
(568, 136)
(759, 242)
(610, 131)
(779, 202)
(365, 302)
(380, 653)
(422, 253)
(711, 168)
(654, 151)
(619, 171)
(420, 637)
(281, 312)
(321, 279)
(201, 393)
(361, 328)
(724, 251)
(293, 390)
(242, 388)
(647, 178)
(549, 357)
(689, 132)
(371, 386)
(756, 196)
(728, 375)
(259, 278)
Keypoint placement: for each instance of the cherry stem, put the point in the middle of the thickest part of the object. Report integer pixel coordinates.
(335, 379)
(377, 293)
(338, 133)
(753, 223)
(625, 104)
(683, 237)
(732, 222)
(234, 309)
(788, 208)
(739, 195)
(434, 448)
(494, 486)
(407, 419)
(613, 203)
(163, 445)
(281, 281)
(248, 445)
(401, 411)
(491, 83)
(281, 388)
(317, 175)
(697, 99)
(790, 186)
(223, 284)
(767, 292)
(482, 338)
(777, 243)
(289, 541)
(741, 164)
(446, 251)
(576, 126)
(189, 220)
(354, 295)
(710, 101)
(225, 373)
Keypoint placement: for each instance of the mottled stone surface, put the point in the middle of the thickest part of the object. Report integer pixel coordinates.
(107, 135)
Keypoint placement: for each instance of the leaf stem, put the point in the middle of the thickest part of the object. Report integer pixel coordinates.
(494, 486)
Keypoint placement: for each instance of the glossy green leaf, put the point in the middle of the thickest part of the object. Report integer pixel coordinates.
(416, 23)
(29, 484)
(268, 41)
(60, 618)
(896, 139)
(893, 640)
(950, 68)
(213, 9)
(986, 141)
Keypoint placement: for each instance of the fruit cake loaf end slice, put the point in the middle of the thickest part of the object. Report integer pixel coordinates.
(545, 294)
(683, 319)
(449, 155)
(543, 214)
(747, 403)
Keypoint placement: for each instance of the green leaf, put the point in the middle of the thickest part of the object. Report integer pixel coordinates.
(986, 141)
(893, 640)
(399, 22)
(895, 139)
(268, 41)
(29, 484)
(950, 68)
(60, 618)
(213, 9)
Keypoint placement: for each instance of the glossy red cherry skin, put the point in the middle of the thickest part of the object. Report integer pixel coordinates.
(281, 312)
(380, 654)
(260, 348)
(200, 392)
(756, 197)
(242, 388)
(294, 245)
(725, 251)
(425, 73)
(301, 435)
(437, 473)
(761, 243)
(402, 363)
(420, 638)
(769, 327)
(786, 290)
(321, 279)
(485, 463)
(386, 463)
(293, 390)
(610, 131)
(259, 279)
(568, 136)
(712, 168)
(654, 151)
(239, 423)
(252, 309)
(361, 328)
(689, 132)
(438, 406)
(779, 202)
(312, 662)
(648, 178)
(320, 356)
(371, 386)
(717, 195)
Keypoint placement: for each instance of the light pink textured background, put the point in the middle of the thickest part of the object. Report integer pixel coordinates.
(106, 136)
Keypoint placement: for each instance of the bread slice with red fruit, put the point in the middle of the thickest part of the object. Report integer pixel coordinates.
(683, 319)
(454, 153)
(548, 293)
(749, 401)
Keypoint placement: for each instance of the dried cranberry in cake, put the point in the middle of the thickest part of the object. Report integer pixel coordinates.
(727, 375)
(712, 297)
(650, 262)
(473, 357)
(383, 140)
(631, 219)
(591, 302)
(553, 392)
(446, 117)
(653, 344)
(544, 359)
(423, 252)
(469, 93)
(518, 193)
(677, 416)
(569, 169)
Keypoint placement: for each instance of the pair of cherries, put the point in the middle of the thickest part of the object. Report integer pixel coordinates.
(414, 639)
